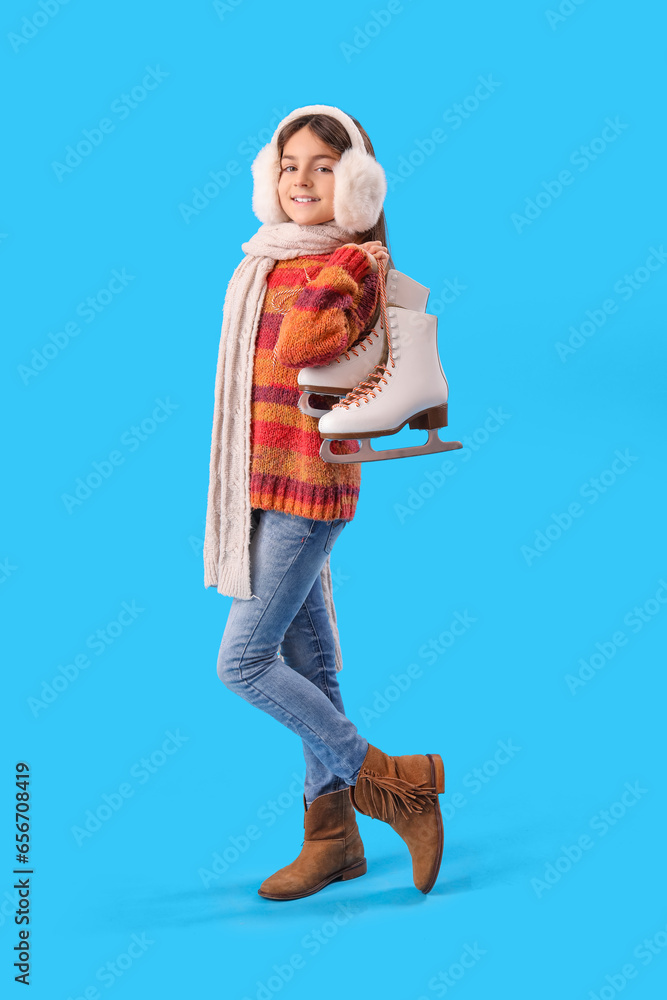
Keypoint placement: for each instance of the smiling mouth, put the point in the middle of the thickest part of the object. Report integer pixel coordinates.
(309, 201)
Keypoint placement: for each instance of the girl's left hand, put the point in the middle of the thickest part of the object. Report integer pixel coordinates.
(375, 251)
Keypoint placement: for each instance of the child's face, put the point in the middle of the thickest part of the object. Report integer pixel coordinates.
(306, 171)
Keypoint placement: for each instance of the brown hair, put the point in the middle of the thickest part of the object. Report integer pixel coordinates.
(334, 133)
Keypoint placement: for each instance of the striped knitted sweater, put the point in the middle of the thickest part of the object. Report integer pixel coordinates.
(305, 322)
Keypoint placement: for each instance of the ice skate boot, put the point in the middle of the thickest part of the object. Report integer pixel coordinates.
(343, 373)
(410, 388)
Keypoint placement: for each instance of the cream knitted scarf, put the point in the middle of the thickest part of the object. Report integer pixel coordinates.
(227, 535)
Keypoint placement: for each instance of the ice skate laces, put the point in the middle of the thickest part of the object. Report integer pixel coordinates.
(353, 350)
(365, 390)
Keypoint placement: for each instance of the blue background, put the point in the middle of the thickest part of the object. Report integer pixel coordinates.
(401, 572)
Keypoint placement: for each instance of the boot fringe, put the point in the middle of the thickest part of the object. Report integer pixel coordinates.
(388, 795)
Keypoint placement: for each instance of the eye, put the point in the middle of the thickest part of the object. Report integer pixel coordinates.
(291, 166)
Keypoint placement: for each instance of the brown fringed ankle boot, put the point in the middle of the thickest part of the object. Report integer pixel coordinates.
(403, 791)
(332, 850)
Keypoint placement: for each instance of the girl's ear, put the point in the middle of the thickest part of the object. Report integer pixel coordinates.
(266, 174)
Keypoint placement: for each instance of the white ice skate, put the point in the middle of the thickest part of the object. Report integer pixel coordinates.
(410, 388)
(343, 373)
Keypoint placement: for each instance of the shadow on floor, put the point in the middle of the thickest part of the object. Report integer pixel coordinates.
(468, 865)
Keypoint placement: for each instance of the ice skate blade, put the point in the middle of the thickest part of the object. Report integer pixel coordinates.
(367, 453)
(312, 411)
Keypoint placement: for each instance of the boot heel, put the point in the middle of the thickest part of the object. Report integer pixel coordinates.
(438, 771)
(436, 416)
(355, 871)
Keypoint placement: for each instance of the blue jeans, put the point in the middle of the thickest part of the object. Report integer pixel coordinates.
(287, 613)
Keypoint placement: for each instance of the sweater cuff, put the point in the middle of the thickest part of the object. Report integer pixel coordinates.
(354, 260)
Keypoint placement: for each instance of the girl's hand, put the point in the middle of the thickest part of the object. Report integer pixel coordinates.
(375, 251)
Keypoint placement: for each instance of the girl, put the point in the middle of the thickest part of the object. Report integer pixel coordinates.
(305, 293)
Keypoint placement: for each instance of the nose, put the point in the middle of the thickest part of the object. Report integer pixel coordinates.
(301, 188)
(300, 178)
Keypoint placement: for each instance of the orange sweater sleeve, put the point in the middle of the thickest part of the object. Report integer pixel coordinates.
(331, 312)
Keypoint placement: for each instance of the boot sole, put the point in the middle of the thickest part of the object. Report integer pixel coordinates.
(354, 871)
(438, 781)
(431, 418)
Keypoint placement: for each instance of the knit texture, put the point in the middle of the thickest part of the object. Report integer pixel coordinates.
(316, 307)
(228, 508)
